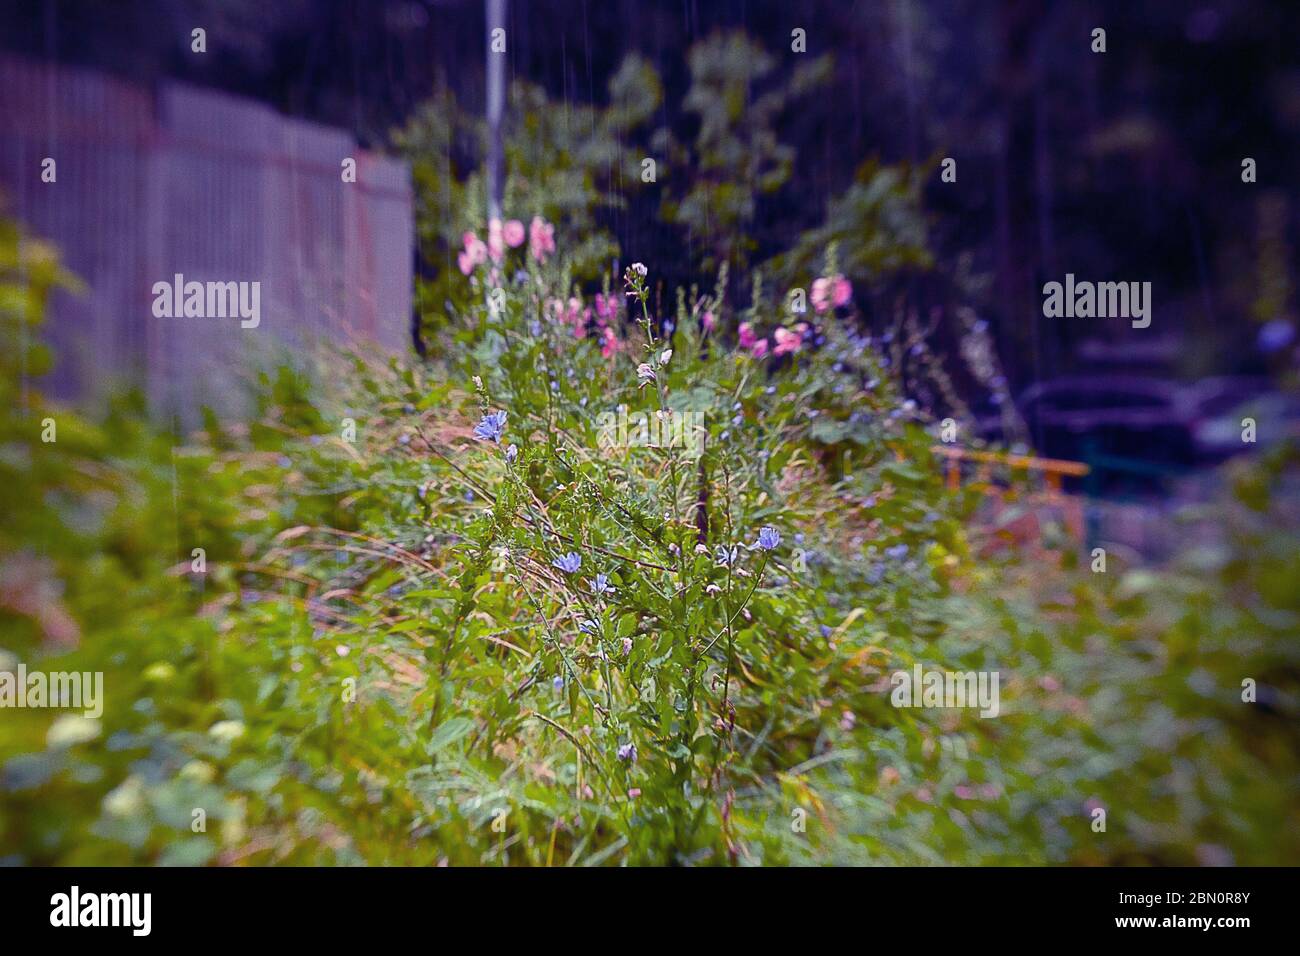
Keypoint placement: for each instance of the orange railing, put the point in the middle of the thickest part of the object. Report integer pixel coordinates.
(1053, 470)
(1025, 528)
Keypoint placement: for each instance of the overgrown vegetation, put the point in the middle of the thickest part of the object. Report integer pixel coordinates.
(482, 632)
(722, 189)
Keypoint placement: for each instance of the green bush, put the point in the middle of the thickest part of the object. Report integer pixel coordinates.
(392, 655)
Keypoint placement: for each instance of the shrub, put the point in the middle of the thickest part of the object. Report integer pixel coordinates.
(493, 630)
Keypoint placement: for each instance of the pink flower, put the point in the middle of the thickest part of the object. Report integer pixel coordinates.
(570, 313)
(513, 233)
(606, 307)
(610, 345)
(759, 348)
(831, 291)
(843, 291)
(747, 337)
(786, 341)
(709, 321)
(821, 294)
(574, 316)
(475, 253)
(541, 238)
(495, 244)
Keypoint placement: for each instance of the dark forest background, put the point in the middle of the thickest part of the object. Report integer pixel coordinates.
(1123, 165)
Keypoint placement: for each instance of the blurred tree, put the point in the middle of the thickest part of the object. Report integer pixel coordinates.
(736, 156)
(564, 162)
(876, 225)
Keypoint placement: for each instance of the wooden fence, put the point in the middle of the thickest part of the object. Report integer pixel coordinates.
(155, 182)
(1049, 504)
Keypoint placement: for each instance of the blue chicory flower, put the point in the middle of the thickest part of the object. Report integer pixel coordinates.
(627, 752)
(768, 537)
(512, 453)
(601, 584)
(898, 552)
(492, 427)
(726, 556)
(568, 563)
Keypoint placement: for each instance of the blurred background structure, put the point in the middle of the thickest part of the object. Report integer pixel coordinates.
(171, 179)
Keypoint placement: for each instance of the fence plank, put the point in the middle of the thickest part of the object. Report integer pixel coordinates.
(217, 188)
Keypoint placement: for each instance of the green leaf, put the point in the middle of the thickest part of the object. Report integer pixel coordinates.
(447, 733)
